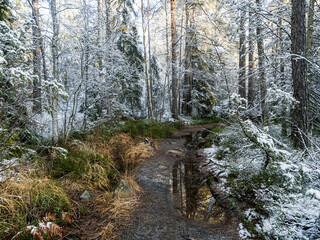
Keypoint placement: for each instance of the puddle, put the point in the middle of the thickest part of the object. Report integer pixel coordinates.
(191, 195)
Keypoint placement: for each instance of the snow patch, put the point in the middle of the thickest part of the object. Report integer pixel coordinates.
(313, 192)
(243, 233)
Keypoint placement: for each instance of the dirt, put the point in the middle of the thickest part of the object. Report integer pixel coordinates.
(159, 215)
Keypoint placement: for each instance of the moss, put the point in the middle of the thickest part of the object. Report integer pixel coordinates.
(207, 120)
(152, 129)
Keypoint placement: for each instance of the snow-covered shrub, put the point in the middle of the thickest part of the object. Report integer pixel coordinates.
(15, 79)
(284, 196)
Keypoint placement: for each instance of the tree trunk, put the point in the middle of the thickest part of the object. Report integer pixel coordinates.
(261, 59)
(188, 74)
(251, 90)
(174, 61)
(148, 82)
(149, 51)
(180, 61)
(107, 57)
(299, 68)
(310, 29)
(86, 65)
(242, 57)
(167, 77)
(284, 110)
(54, 52)
(101, 103)
(37, 104)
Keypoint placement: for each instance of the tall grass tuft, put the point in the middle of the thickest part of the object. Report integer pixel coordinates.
(27, 198)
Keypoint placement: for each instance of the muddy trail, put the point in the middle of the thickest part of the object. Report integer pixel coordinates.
(176, 202)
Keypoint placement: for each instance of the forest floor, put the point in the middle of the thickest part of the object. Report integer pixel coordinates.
(175, 201)
(158, 215)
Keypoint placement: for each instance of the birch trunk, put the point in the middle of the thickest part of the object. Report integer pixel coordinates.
(54, 52)
(148, 82)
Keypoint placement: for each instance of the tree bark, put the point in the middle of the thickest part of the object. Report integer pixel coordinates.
(174, 109)
(37, 104)
(148, 82)
(284, 111)
(242, 57)
(167, 77)
(188, 74)
(149, 53)
(251, 87)
(54, 52)
(261, 59)
(86, 65)
(299, 69)
(310, 28)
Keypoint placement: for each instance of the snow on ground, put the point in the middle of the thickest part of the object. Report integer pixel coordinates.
(289, 195)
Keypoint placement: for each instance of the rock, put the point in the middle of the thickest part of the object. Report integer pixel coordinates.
(87, 195)
(175, 153)
(123, 189)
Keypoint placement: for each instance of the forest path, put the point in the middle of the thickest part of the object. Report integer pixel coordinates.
(159, 215)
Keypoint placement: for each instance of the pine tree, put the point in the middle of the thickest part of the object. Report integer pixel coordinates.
(128, 44)
(299, 69)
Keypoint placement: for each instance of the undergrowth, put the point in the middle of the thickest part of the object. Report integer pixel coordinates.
(150, 128)
(207, 120)
(26, 198)
(94, 161)
(282, 196)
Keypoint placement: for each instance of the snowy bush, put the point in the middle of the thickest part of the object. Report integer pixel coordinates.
(285, 193)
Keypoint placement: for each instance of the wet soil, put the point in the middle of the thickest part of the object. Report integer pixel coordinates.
(177, 202)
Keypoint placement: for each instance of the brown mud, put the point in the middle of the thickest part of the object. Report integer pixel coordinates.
(176, 202)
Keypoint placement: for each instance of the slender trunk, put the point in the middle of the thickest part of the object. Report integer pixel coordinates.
(261, 59)
(37, 104)
(66, 86)
(310, 28)
(284, 110)
(242, 56)
(100, 105)
(148, 82)
(107, 57)
(86, 66)
(251, 90)
(99, 40)
(180, 65)
(174, 61)
(188, 74)
(299, 68)
(54, 52)
(313, 108)
(149, 52)
(167, 76)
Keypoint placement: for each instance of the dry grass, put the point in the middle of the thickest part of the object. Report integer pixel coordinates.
(108, 232)
(98, 144)
(25, 198)
(119, 144)
(137, 154)
(127, 153)
(118, 209)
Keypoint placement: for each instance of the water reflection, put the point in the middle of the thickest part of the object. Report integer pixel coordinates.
(191, 195)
